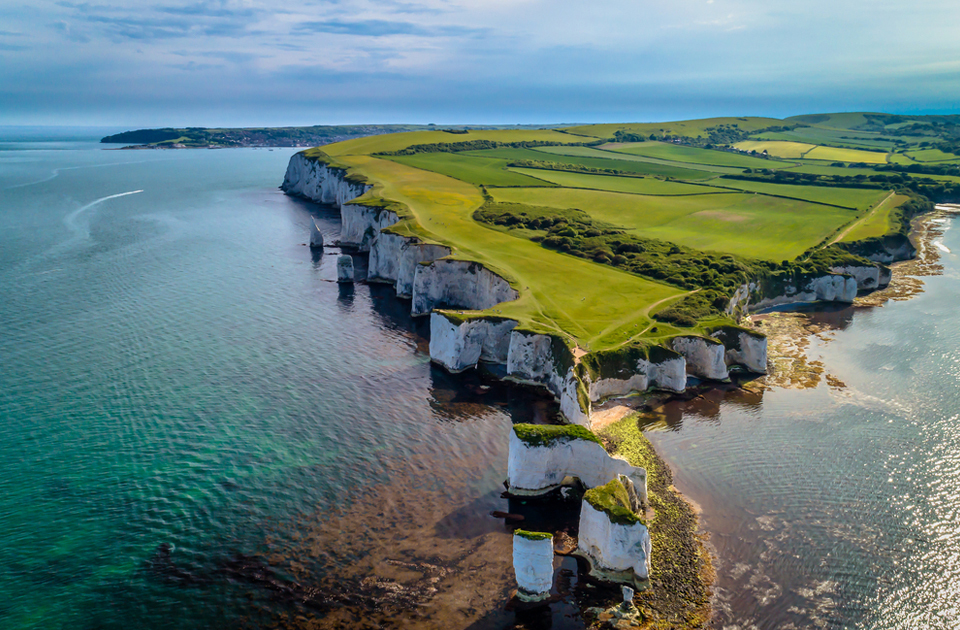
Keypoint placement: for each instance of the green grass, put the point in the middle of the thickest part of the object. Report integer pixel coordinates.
(398, 141)
(693, 155)
(637, 185)
(469, 168)
(931, 155)
(602, 152)
(597, 306)
(833, 137)
(609, 161)
(612, 500)
(834, 154)
(550, 434)
(877, 222)
(776, 148)
(754, 226)
(856, 198)
(689, 128)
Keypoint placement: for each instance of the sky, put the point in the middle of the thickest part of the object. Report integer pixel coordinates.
(154, 63)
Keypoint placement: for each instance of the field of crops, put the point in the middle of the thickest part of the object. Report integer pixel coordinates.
(470, 168)
(835, 154)
(776, 148)
(854, 198)
(636, 185)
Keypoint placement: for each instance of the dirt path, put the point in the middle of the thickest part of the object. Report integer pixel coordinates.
(846, 231)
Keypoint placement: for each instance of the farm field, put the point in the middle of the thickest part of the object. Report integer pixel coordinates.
(611, 162)
(854, 198)
(835, 154)
(400, 141)
(637, 185)
(616, 155)
(597, 305)
(692, 128)
(470, 168)
(931, 155)
(835, 137)
(754, 226)
(693, 155)
(877, 223)
(776, 148)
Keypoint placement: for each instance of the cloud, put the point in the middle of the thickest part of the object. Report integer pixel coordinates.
(384, 28)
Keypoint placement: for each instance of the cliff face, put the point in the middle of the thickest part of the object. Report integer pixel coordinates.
(615, 551)
(422, 272)
(755, 296)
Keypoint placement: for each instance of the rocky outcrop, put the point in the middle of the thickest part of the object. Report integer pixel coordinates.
(868, 277)
(345, 268)
(705, 358)
(360, 225)
(458, 284)
(319, 182)
(742, 347)
(755, 296)
(411, 255)
(533, 564)
(539, 464)
(316, 236)
(632, 369)
(618, 552)
(459, 344)
(545, 360)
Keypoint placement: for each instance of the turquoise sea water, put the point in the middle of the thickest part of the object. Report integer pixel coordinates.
(198, 426)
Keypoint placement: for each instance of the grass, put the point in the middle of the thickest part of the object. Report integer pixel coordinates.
(522, 533)
(689, 128)
(613, 500)
(755, 226)
(608, 161)
(398, 141)
(833, 137)
(854, 198)
(610, 154)
(834, 154)
(876, 223)
(776, 148)
(693, 155)
(597, 306)
(931, 155)
(469, 168)
(550, 434)
(637, 185)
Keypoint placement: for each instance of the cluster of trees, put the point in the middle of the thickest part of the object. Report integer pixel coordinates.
(572, 168)
(627, 136)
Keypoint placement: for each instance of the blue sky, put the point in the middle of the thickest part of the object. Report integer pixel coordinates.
(245, 62)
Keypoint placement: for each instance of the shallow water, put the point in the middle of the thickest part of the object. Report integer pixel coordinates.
(836, 507)
(195, 415)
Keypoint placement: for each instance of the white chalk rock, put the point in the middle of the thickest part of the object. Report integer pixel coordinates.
(542, 360)
(318, 182)
(539, 468)
(616, 552)
(411, 255)
(744, 348)
(345, 268)
(533, 564)
(360, 224)
(621, 375)
(316, 236)
(383, 264)
(867, 277)
(704, 359)
(458, 284)
(460, 344)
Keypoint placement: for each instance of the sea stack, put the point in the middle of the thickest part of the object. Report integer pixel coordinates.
(316, 236)
(345, 268)
(533, 564)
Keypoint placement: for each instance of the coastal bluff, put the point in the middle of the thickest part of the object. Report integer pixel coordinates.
(453, 292)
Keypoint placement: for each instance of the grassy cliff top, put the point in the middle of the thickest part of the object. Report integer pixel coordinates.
(613, 500)
(613, 239)
(549, 434)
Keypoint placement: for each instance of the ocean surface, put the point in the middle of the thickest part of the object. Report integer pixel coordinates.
(199, 428)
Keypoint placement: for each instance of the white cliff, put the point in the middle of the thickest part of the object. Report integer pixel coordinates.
(460, 344)
(543, 360)
(743, 348)
(621, 373)
(360, 225)
(319, 182)
(868, 277)
(345, 271)
(539, 466)
(533, 564)
(463, 284)
(827, 288)
(616, 551)
(705, 358)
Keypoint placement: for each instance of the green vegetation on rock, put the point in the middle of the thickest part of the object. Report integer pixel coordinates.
(551, 434)
(613, 500)
(522, 533)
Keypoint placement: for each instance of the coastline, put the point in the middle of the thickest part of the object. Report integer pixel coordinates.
(610, 411)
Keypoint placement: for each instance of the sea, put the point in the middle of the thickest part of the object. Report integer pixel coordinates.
(200, 428)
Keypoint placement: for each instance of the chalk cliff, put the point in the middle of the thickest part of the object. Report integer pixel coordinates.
(612, 538)
(533, 564)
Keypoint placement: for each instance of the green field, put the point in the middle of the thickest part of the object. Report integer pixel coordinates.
(931, 155)
(833, 137)
(628, 166)
(691, 128)
(855, 198)
(834, 154)
(638, 185)
(602, 152)
(776, 148)
(755, 226)
(693, 155)
(876, 223)
(469, 168)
